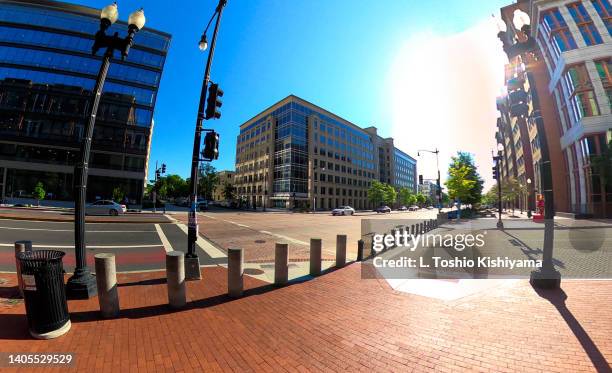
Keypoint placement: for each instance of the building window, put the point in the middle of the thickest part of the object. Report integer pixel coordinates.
(557, 31)
(604, 68)
(585, 24)
(579, 91)
(604, 10)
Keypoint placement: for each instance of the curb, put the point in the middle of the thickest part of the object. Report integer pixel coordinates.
(168, 221)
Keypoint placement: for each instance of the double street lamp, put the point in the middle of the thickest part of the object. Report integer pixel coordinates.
(82, 284)
(547, 276)
(192, 262)
(438, 187)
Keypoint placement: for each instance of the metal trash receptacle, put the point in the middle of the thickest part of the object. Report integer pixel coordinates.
(42, 275)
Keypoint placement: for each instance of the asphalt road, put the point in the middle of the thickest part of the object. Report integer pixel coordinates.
(136, 246)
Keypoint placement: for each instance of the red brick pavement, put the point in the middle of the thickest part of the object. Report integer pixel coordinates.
(334, 322)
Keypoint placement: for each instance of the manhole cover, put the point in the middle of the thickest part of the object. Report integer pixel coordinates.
(260, 241)
(253, 271)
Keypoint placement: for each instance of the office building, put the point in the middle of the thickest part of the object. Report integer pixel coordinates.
(225, 178)
(295, 154)
(47, 74)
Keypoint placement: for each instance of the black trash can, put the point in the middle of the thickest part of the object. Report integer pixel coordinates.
(42, 274)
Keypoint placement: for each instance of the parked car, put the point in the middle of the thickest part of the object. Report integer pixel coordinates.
(430, 207)
(202, 205)
(413, 208)
(402, 208)
(105, 207)
(383, 209)
(343, 210)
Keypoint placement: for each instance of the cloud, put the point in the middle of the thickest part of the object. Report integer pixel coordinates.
(444, 89)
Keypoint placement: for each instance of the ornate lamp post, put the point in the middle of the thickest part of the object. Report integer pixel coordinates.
(547, 276)
(82, 284)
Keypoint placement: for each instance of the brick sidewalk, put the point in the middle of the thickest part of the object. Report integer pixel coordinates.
(334, 322)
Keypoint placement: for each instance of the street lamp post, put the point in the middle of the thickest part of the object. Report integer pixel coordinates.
(82, 284)
(498, 159)
(547, 276)
(192, 262)
(439, 187)
(529, 197)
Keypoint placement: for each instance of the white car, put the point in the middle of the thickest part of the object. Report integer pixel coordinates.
(413, 208)
(343, 210)
(105, 207)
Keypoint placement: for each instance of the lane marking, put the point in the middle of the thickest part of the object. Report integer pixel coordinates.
(208, 248)
(286, 238)
(69, 230)
(163, 238)
(88, 246)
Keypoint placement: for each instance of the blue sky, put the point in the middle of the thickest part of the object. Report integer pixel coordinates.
(336, 54)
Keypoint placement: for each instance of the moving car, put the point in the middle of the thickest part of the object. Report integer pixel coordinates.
(430, 207)
(413, 208)
(383, 209)
(402, 208)
(343, 210)
(202, 205)
(105, 207)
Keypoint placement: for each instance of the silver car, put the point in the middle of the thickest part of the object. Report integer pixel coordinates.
(343, 210)
(105, 207)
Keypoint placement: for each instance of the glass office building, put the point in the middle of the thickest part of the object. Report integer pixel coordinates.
(298, 155)
(47, 75)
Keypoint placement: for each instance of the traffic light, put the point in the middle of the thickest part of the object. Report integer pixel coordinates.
(420, 179)
(163, 168)
(157, 175)
(211, 146)
(495, 173)
(213, 102)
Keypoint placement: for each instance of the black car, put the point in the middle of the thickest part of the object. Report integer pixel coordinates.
(383, 209)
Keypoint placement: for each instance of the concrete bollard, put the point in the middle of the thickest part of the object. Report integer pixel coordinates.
(281, 264)
(235, 272)
(412, 230)
(340, 250)
(315, 256)
(175, 278)
(360, 249)
(20, 247)
(106, 280)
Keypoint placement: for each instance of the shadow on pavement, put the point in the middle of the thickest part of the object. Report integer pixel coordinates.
(557, 298)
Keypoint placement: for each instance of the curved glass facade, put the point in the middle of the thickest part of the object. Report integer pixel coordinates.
(47, 75)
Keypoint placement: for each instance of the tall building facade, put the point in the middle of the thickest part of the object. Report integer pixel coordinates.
(47, 74)
(225, 178)
(297, 155)
(569, 71)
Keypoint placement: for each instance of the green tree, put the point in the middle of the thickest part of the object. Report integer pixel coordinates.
(404, 196)
(490, 198)
(39, 192)
(412, 200)
(376, 193)
(421, 199)
(602, 165)
(208, 179)
(229, 192)
(390, 195)
(118, 194)
(464, 183)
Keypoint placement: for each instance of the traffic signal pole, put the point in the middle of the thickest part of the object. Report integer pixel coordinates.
(192, 262)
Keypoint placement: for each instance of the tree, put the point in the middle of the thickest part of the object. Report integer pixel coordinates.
(390, 195)
(118, 194)
(376, 193)
(490, 198)
(405, 195)
(602, 165)
(464, 183)
(39, 192)
(229, 192)
(207, 180)
(421, 199)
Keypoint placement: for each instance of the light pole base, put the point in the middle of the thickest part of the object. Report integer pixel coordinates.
(545, 279)
(82, 285)
(192, 268)
(500, 224)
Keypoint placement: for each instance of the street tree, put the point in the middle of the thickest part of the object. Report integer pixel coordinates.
(118, 194)
(602, 165)
(207, 180)
(421, 199)
(229, 192)
(464, 183)
(39, 193)
(404, 196)
(390, 195)
(376, 193)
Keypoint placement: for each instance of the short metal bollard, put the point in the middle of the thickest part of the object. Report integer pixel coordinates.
(175, 278)
(106, 280)
(281, 264)
(235, 272)
(315, 256)
(412, 230)
(21, 247)
(360, 249)
(340, 250)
